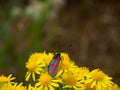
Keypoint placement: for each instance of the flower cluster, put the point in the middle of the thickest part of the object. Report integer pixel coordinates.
(69, 76)
(7, 84)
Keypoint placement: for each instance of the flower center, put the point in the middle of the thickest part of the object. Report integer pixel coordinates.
(64, 64)
(98, 75)
(71, 80)
(31, 66)
(45, 79)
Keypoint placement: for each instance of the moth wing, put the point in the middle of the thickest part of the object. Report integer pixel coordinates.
(53, 67)
(51, 62)
(52, 71)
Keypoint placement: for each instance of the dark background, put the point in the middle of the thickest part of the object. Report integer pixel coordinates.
(91, 26)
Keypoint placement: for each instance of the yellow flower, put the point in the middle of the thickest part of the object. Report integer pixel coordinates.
(69, 75)
(66, 64)
(46, 82)
(82, 71)
(113, 87)
(5, 80)
(14, 87)
(99, 80)
(48, 58)
(72, 81)
(35, 64)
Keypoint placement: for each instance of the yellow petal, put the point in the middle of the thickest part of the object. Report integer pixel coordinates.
(45, 88)
(99, 86)
(50, 87)
(27, 76)
(37, 72)
(59, 73)
(37, 84)
(40, 88)
(93, 84)
(67, 86)
(54, 84)
(9, 77)
(33, 76)
(57, 80)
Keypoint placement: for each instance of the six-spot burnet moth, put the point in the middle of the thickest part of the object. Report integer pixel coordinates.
(54, 63)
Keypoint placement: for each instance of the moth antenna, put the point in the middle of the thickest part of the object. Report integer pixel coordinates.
(67, 47)
(56, 47)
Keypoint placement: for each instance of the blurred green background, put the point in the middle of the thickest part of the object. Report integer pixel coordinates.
(91, 26)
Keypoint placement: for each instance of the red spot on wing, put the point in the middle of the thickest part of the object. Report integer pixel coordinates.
(54, 64)
(57, 59)
(52, 71)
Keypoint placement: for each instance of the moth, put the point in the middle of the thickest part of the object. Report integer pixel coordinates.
(54, 63)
